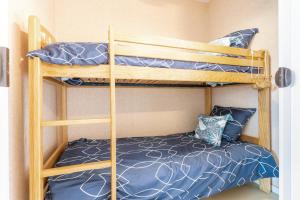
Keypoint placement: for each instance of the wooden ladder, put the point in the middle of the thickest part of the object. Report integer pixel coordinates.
(38, 170)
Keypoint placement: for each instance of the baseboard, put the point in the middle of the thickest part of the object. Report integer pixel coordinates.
(275, 189)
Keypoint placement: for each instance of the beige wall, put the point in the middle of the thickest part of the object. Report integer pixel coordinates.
(226, 16)
(89, 21)
(140, 111)
(18, 92)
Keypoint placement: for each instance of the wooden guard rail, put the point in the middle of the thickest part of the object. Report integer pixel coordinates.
(76, 168)
(75, 122)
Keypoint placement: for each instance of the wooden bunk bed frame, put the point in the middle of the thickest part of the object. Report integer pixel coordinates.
(154, 47)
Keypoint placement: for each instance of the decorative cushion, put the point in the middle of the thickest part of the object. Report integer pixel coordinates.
(210, 128)
(234, 127)
(242, 38)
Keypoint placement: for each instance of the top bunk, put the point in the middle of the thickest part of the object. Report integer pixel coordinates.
(144, 60)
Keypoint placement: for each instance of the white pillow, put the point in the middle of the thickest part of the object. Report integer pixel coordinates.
(225, 41)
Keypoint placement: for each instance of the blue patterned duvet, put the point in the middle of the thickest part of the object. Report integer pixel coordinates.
(168, 167)
(87, 53)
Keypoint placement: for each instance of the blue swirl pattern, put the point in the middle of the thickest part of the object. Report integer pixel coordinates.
(167, 167)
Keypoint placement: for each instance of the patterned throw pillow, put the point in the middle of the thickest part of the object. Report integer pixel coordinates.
(242, 38)
(210, 128)
(234, 127)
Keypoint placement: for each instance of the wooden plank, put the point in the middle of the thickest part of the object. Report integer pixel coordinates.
(53, 81)
(46, 37)
(54, 156)
(264, 120)
(46, 187)
(35, 107)
(208, 100)
(98, 71)
(184, 44)
(267, 65)
(250, 139)
(64, 108)
(181, 75)
(62, 132)
(35, 113)
(75, 122)
(184, 56)
(76, 168)
(147, 73)
(113, 140)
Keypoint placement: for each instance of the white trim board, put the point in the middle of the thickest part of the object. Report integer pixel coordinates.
(275, 189)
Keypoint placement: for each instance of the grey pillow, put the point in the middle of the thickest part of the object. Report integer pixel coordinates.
(240, 117)
(210, 128)
(242, 38)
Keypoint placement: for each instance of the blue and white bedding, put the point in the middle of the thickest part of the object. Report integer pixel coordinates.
(168, 167)
(97, 54)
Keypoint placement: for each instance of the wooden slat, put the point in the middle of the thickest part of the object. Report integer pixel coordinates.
(64, 109)
(113, 142)
(52, 70)
(184, 44)
(208, 100)
(46, 187)
(182, 75)
(74, 122)
(62, 132)
(46, 37)
(250, 139)
(267, 69)
(35, 113)
(143, 73)
(54, 156)
(53, 81)
(264, 119)
(76, 168)
(184, 56)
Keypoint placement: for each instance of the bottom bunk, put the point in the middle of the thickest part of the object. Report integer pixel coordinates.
(177, 166)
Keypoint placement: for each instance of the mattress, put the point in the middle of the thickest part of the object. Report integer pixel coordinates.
(97, 53)
(177, 166)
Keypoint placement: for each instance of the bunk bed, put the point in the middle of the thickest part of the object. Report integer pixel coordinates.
(113, 73)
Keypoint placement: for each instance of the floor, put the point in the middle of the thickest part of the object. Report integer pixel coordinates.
(248, 192)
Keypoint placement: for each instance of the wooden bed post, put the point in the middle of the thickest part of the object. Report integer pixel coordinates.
(62, 134)
(208, 100)
(35, 110)
(113, 142)
(264, 119)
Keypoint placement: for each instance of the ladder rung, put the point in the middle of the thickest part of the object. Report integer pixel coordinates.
(76, 168)
(75, 122)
